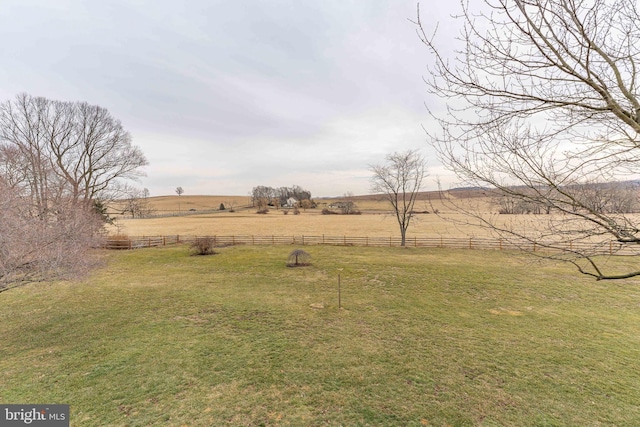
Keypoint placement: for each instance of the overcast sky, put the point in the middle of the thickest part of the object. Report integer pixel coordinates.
(222, 96)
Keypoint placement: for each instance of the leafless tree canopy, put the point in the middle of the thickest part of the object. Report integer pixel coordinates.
(65, 148)
(136, 202)
(57, 159)
(36, 247)
(543, 108)
(262, 196)
(400, 180)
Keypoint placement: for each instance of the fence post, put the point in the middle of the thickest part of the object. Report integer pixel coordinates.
(344, 240)
(610, 248)
(273, 240)
(367, 241)
(470, 245)
(233, 240)
(164, 241)
(415, 242)
(323, 239)
(303, 240)
(253, 241)
(129, 243)
(390, 244)
(534, 246)
(178, 238)
(500, 241)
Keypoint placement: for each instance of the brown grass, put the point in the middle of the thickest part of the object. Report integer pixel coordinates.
(376, 219)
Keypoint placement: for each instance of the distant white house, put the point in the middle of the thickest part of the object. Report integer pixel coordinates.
(291, 203)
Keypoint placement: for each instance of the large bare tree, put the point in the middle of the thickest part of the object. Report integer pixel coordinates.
(66, 148)
(400, 180)
(59, 162)
(38, 247)
(543, 107)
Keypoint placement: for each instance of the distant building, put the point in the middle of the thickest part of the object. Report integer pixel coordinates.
(291, 203)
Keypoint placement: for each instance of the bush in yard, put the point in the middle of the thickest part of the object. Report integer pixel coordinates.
(203, 246)
(299, 258)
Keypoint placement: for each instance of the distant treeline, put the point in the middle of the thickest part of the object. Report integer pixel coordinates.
(280, 195)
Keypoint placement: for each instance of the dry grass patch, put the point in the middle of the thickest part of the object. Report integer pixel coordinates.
(310, 223)
(376, 219)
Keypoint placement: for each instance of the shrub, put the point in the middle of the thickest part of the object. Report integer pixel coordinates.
(296, 211)
(203, 246)
(326, 211)
(299, 258)
(262, 211)
(221, 206)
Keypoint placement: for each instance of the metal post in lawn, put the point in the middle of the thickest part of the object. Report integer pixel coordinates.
(339, 291)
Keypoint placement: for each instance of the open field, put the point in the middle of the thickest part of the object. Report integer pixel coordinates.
(308, 223)
(376, 219)
(162, 204)
(425, 337)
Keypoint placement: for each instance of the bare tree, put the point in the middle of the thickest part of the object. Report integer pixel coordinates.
(348, 205)
(543, 108)
(305, 204)
(59, 163)
(179, 191)
(278, 196)
(69, 149)
(400, 180)
(137, 203)
(37, 247)
(261, 196)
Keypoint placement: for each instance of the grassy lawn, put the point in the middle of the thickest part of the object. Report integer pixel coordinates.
(424, 337)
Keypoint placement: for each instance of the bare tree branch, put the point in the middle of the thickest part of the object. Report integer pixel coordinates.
(543, 111)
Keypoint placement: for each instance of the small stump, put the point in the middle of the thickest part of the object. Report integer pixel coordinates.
(299, 258)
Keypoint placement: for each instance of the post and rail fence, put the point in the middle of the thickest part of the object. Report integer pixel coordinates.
(136, 242)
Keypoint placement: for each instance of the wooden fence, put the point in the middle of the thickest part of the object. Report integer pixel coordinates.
(417, 242)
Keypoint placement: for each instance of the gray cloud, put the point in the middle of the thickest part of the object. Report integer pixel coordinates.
(225, 95)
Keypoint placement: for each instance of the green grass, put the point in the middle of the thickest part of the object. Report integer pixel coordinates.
(424, 337)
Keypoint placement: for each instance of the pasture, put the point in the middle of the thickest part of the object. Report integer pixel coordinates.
(376, 220)
(424, 337)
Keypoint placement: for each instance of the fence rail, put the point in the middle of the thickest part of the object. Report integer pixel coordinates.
(610, 247)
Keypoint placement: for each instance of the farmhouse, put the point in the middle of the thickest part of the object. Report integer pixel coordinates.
(291, 203)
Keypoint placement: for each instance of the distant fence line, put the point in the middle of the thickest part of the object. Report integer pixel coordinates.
(173, 213)
(417, 242)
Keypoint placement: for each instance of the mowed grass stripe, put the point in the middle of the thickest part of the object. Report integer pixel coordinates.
(425, 336)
